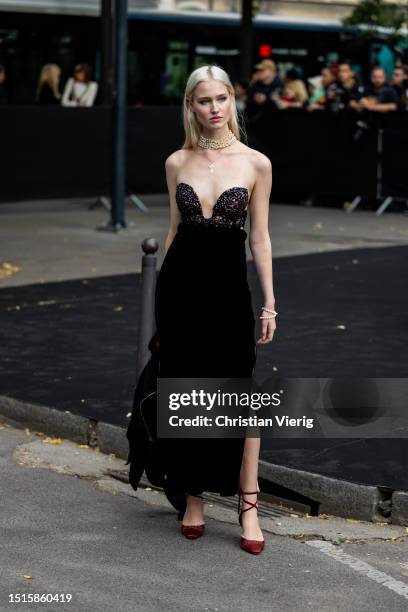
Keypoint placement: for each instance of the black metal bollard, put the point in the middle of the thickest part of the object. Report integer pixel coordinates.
(148, 286)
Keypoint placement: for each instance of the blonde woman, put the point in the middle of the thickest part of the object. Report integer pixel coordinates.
(48, 85)
(204, 316)
(294, 93)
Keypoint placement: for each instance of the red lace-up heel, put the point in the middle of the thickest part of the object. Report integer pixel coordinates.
(251, 546)
(192, 532)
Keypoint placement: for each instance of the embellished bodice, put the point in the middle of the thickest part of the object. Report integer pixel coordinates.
(230, 209)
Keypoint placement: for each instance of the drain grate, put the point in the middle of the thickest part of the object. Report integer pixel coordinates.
(266, 508)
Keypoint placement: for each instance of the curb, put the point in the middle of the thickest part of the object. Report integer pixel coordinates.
(332, 496)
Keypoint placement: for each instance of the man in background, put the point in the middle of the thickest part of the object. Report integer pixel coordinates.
(265, 84)
(378, 96)
(347, 90)
(399, 82)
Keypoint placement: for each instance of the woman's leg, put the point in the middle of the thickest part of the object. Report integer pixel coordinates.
(249, 482)
(194, 511)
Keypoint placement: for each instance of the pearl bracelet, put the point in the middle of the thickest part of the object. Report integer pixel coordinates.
(273, 313)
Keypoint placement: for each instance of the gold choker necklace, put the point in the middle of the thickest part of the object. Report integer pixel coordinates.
(215, 143)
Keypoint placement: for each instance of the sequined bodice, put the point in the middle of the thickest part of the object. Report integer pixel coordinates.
(229, 210)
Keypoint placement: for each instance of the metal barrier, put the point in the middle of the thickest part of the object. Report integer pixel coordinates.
(381, 195)
(53, 152)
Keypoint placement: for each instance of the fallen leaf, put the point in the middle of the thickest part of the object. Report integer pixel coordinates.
(8, 269)
(49, 440)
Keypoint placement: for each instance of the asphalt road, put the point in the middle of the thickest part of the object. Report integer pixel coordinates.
(64, 534)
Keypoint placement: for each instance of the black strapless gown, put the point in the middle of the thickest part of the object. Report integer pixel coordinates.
(205, 325)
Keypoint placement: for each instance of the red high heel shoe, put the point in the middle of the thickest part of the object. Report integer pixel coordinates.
(192, 532)
(252, 546)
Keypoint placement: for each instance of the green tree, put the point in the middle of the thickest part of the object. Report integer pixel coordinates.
(377, 13)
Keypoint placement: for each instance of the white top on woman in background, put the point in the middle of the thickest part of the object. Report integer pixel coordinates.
(80, 90)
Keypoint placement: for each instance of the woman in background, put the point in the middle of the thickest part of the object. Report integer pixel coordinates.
(80, 90)
(294, 93)
(48, 85)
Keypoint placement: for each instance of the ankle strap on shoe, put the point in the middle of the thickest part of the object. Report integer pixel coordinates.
(241, 500)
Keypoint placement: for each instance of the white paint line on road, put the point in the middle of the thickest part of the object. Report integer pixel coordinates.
(399, 587)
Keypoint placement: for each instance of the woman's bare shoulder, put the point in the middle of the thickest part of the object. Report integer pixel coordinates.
(260, 164)
(175, 159)
(258, 159)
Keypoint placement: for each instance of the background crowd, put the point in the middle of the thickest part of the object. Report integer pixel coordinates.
(337, 88)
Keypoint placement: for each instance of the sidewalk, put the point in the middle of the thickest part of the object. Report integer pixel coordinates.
(117, 549)
(71, 315)
(56, 240)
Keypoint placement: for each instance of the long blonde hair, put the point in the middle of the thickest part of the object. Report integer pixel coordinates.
(191, 125)
(299, 89)
(50, 74)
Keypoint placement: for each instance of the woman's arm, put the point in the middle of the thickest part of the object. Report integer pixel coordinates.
(89, 97)
(171, 167)
(65, 101)
(260, 242)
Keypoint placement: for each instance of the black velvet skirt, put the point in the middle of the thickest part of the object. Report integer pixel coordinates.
(206, 326)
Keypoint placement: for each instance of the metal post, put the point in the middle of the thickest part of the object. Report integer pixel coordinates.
(106, 52)
(246, 39)
(356, 201)
(378, 192)
(380, 153)
(148, 286)
(119, 117)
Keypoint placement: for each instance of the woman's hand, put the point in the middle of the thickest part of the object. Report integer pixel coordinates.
(268, 326)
